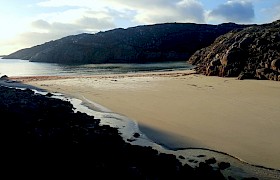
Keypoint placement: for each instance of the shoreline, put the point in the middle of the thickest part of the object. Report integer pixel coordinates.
(174, 149)
(54, 83)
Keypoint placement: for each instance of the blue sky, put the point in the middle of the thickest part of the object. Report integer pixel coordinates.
(31, 22)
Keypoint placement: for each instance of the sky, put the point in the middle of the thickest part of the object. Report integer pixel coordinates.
(32, 22)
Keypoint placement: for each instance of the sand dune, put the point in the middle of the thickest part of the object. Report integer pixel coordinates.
(240, 118)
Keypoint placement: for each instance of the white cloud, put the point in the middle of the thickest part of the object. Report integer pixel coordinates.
(73, 3)
(170, 11)
(63, 16)
(234, 11)
(43, 31)
(192, 10)
(95, 23)
(41, 26)
(75, 19)
(50, 26)
(146, 11)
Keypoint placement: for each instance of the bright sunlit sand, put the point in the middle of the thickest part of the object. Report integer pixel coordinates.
(178, 110)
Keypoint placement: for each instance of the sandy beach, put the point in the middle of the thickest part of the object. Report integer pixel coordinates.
(182, 109)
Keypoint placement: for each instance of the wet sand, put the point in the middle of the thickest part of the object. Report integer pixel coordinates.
(179, 110)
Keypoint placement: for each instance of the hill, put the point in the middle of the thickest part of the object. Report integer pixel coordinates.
(141, 44)
(253, 52)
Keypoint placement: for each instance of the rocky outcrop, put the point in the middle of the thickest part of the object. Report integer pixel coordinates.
(141, 44)
(253, 52)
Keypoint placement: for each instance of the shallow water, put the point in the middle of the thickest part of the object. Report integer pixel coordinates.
(16, 67)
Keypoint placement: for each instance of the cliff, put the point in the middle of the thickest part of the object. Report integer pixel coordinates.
(141, 44)
(253, 52)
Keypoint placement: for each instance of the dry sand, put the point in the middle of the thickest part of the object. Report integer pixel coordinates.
(241, 118)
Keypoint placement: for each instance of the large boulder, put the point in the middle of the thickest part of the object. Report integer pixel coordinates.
(275, 64)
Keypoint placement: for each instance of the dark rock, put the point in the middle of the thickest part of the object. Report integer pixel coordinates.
(246, 75)
(215, 62)
(208, 172)
(49, 94)
(131, 140)
(181, 157)
(210, 161)
(261, 73)
(252, 51)
(275, 64)
(212, 71)
(201, 155)
(4, 77)
(223, 165)
(136, 135)
(141, 44)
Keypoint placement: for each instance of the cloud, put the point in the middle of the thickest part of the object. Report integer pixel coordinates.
(144, 11)
(192, 10)
(170, 11)
(95, 23)
(70, 3)
(55, 31)
(25, 40)
(79, 25)
(272, 13)
(41, 24)
(234, 11)
(51, 26)
(43, 31)
(29, 39)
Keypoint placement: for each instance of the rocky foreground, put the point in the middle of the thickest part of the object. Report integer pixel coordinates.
(253, 52)
(42, 135)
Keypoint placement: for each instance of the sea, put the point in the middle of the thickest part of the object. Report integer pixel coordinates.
(17, 67)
